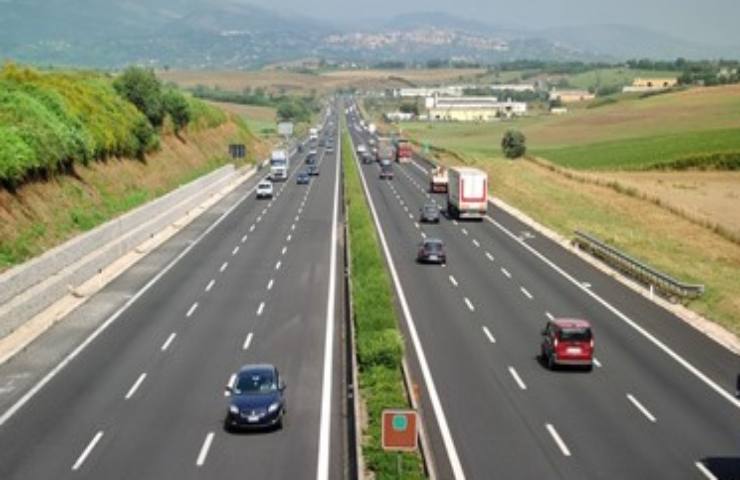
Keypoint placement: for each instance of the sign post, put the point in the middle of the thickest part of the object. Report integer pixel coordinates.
(400, 430)
(237, 150)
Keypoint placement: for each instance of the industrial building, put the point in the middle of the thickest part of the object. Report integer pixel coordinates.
(472, 109)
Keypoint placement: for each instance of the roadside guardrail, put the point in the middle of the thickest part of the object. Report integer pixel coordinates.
(663, 284)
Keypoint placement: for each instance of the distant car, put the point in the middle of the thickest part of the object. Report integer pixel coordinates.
(311, 158)
(322, 142)
(432, 250)
(256, 398)
(264, 189)
(386, 172)
(303, 178)
(300, 147)
(366, 158)
(429, 213)
(312, 170)
(567, 341)
(330, 148)
(361, 149)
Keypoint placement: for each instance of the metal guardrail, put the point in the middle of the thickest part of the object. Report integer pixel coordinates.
(664, 284)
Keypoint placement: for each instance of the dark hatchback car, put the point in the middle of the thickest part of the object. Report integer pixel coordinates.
(256, 399)
(303, 178)
(386, 171)
(432, 250)
(312, 170)
(311, 158)
(429, 213)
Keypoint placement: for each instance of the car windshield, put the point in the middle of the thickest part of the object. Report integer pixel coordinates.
(575, 334)
(255, 382)
(433, 246)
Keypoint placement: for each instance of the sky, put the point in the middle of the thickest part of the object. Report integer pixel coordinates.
(708, 21)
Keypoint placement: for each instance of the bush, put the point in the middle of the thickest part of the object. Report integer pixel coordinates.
(513, 144)
(178, 108)
(142, 88)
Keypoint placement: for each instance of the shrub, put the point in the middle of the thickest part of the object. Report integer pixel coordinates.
(178, 108)
(513, 144)
(142, 88)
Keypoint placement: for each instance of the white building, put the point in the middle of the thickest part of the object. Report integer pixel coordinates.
(472, 109)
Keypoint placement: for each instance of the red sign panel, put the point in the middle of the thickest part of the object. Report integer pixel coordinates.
(400, 430)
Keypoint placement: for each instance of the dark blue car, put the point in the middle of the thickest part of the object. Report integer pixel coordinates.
(256, 399)
(302, 178)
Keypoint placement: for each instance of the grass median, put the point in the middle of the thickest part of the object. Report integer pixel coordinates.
(378, 338)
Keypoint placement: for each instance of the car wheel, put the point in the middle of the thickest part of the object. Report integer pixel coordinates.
(589, 367)
(550, 363)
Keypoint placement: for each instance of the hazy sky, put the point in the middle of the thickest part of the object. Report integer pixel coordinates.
(707, 21)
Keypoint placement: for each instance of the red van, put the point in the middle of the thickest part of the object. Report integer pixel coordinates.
(568, 341)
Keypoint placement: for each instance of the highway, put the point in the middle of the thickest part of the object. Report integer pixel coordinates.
(659, 403)
(145, 397)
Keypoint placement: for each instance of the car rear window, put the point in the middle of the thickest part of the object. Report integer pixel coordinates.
(575, 334)
(433, 246)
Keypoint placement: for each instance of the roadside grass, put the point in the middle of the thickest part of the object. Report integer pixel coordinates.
(378, 337)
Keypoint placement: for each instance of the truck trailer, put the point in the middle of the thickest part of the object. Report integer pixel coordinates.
(279, 165)
(403, 151)
(467, 193)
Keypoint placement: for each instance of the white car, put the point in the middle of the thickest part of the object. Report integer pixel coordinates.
(264, 189)
(361, 149)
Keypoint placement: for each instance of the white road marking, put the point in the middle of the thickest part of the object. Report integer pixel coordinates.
(169, 340)
(251, 229)
(641, 408)
(292, 227)
(549, 316)
(230, 383)
(464, 231)
(270, 283)
(210, 285)
(423, 235)
(192, 309)
(597, 362)
(416, 224)
(561, 444)
(88, 449)
(586, 285)
(453, 281)
(476, 243)
(526, 293)
(285, 249)
(505, 272)
(223, 267)
(517, 378)
(705, 471)
(489, 256)
(204, 450)
(135, 386)
(489, 335)
(289, 237)
(247, 341)
(297, 218)
(411, 216)
(649, 336)
(469, 304)
(259, 219)
(244, 238)
(264, 210)
(235, 250)
(260, 309)
(278, 264)
(454, 222)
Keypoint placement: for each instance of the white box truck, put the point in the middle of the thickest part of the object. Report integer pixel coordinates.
(279, 165)
(467, 192)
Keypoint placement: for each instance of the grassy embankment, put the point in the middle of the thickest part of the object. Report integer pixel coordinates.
(378, 338)
(72, 155)
(602, 143)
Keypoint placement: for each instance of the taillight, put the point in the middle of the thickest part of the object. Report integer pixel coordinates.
(591, 343)
(555, 343)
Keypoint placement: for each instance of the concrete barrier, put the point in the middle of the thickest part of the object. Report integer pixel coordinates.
(30, 288)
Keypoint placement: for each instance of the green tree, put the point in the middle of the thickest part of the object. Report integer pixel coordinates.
(409, 108)
(178, 108)
(513, 144)
(142, 88)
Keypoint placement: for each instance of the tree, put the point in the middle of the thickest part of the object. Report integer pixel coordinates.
(513, 144)
(178, 108)
(409, 108)
(142, 88)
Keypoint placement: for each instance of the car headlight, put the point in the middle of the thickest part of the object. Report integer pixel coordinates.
(273, 407)
(234, 409)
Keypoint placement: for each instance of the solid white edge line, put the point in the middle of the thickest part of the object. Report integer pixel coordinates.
(204, 450)
(261, 308)
(454, 459)
(705, 471)
(491, 338)
(453, 280)
(167, 342)
(192, 309)
(559, 441)
(526, 292)
(247, 341)
(469, 304)
(210, 285)
(517, 378)
(641, 408)
(88, 449)
(135, 386)
(649, 336)
(322, 467)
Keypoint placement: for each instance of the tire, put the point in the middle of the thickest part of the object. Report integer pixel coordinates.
(550, 363)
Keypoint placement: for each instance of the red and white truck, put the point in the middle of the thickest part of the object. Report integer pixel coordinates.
(438, 180)
(403, 151)
(467, 192)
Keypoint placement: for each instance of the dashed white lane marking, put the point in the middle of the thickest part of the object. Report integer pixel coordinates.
(223, 267)
(526, 293)
(453, 280)
(705, 471)
(135, 386)
(423, 235)
(278, 264)
(469, 304)
(167, 342)
(297, 218)
(641, 408)
(476, 243)
(230, 383)
(285, 249)
(549, 316)
(270, 283)
(561, 444)
(416, 224)
(235, 250)
(204, 450)
(411, 216)
(292, 227)
(489, 256)
(517, 378)
(244, 238)
(251, 228)
(264, 210)
(489, 335)
(505, 272)
(210, 285)
(597, 362)
(247, 341)
(192, 309)
(259, 219)
(260, 309)
(83, 456)
(454, 222)
(464, 231)
(289, 238)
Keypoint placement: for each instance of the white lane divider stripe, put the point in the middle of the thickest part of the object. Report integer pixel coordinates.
(235, 250)
(83, 456)
(223, 267)
(210, 285)
(454, 222)
(526, 293)
(641, 408)
(167, 342)
(278, 264)
(244, 238)
(561, 444)
(490, 257)
(705, 471)
(423, 235)
(192, 309)
(453, 280)
(247, 341)
(476, 243)
(549, 316)
(469, 304)
(204, 450)
(135, 386)
(259, 219)
(488, 334)
(292, 227)
(285, 249)
(270, 283)
(597, 362)
(261, 308)
(505, 272)
(464, 231)
(416, 224)
(517, 378)
(251, 229)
